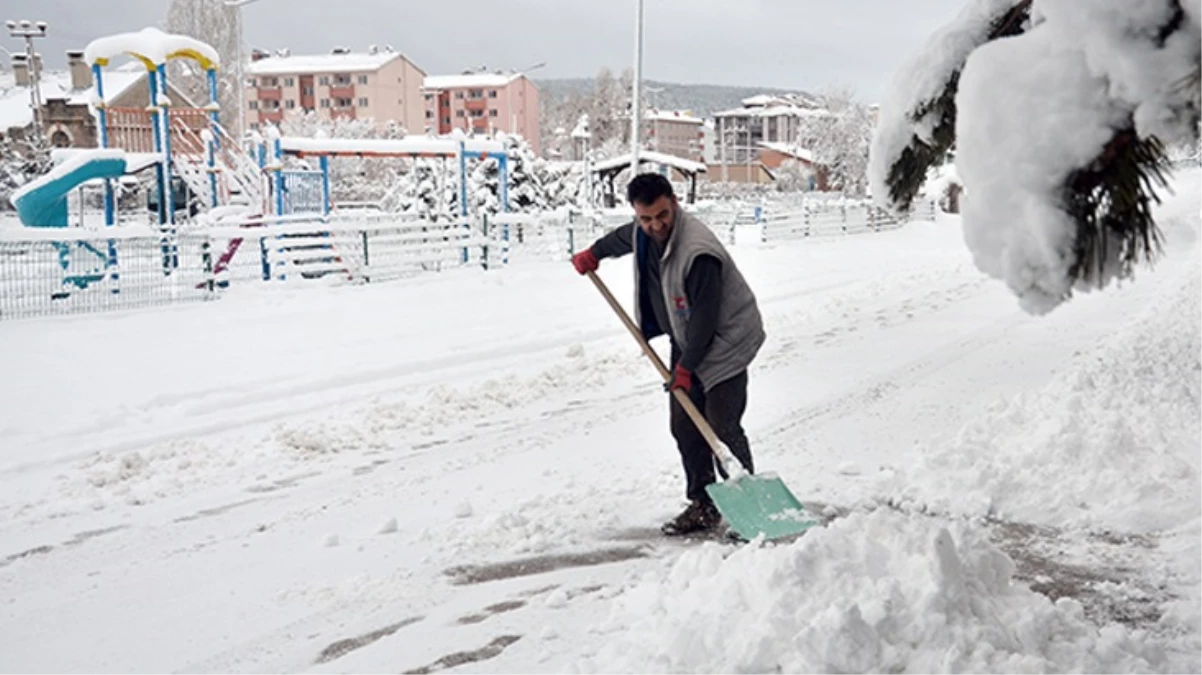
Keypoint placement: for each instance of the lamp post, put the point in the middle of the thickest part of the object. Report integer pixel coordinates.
(30, 30)
(636, 103)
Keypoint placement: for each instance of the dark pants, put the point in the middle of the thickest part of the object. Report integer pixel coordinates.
(723, 407)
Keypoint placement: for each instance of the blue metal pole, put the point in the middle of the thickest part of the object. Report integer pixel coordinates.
(161, 170)
(325, 186)
(213, 105)
(110, 210)
(463, 193)
(279, 177)
(166, 136)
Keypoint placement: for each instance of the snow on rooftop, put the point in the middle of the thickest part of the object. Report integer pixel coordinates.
(651, 157)
(152, 44)
(470, 80)
(413, 145)
(673, 116)
(788, 149)
(348, 62)
(15, 110)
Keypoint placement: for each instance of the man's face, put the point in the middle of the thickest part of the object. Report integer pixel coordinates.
(657, 217)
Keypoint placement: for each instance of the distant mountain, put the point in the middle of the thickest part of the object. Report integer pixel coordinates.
(701, 99)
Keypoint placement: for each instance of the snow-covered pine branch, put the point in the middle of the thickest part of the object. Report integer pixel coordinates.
(1060, 136)
(918, 117)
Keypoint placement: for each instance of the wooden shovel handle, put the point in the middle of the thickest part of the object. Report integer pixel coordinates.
(681, 396)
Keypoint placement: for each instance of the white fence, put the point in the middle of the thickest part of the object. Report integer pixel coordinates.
(56, 271)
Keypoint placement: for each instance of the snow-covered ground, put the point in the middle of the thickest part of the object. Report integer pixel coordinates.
(466, 471)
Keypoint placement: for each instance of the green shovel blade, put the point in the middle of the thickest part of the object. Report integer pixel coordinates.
(760, 505)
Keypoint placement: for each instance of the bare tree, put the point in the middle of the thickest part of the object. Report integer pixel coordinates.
(839, 137)
(213, 22)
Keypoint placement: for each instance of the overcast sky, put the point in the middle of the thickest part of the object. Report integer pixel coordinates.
(793, 44)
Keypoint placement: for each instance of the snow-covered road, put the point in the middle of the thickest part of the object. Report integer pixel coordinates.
(465, 471)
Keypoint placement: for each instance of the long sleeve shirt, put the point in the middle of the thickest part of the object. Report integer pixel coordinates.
(703, 288)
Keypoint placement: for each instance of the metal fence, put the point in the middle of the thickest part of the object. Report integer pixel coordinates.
(58, 271)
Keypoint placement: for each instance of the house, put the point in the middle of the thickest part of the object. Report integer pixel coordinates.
(68, 112)
(380, 84)
(483, 103)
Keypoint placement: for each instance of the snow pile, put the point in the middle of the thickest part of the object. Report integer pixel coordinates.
(876, 592)
(1112, 443)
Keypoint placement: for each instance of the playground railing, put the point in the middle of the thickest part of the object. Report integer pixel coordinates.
(46, 273)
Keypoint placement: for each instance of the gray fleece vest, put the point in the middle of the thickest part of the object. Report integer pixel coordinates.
(740, 331)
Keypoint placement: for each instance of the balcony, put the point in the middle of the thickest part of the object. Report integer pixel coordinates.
(342, 91)
(476, 104)
(268, 93)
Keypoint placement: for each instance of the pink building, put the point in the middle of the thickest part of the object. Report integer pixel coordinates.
(382, 85)
(483, 103)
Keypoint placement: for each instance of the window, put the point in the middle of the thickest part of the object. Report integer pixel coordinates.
(362, 79)
(289, 82)
(475, 93)
(290, 104)
(325, 103)
(342, 80)
(492, 112)
(254, 105)
(60, 139)
(492, 93)
(269, 82)
(477, 113)
(458, 113)
(362, 102)
(324, 80)
(342, 103)
(254, 126)
(429, 114)
(459, 95)
(308, 91)
(446, 120)
(429, 97)
(271, 105)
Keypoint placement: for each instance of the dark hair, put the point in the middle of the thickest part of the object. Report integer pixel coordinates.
(645, 188)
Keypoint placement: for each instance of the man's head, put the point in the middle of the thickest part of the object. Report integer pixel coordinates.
(654, 204)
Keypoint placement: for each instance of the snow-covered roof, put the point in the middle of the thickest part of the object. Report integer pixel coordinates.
(350, 62)
(788, 149)
(152, 47)
(470, 80)
(651, 157)
(774, 111)
(15, 110)
(673, 116)
(413, 145)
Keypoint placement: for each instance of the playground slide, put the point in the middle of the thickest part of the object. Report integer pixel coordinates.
(42, 202)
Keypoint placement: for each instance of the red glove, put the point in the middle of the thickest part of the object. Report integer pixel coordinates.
(585, 261)
(681, 379)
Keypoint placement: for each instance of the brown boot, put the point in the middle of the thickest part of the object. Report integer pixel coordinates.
(700, 516)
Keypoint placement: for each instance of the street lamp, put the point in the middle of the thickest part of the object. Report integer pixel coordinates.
(30, 30)
(239, 73)
(636, 103)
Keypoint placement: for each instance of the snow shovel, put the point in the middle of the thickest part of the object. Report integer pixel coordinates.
(754, 506)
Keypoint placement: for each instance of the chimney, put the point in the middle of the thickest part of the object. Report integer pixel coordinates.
(21, 69)
(258, 55)
(81, 75)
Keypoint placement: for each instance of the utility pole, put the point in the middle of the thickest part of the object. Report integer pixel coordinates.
(636, 103)
(30, 30)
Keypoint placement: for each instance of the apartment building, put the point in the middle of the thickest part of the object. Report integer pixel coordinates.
(676, 132)
(381, 84)
(483, 103)
(740, 132)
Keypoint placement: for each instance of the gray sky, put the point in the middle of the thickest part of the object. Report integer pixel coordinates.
(795, 44)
